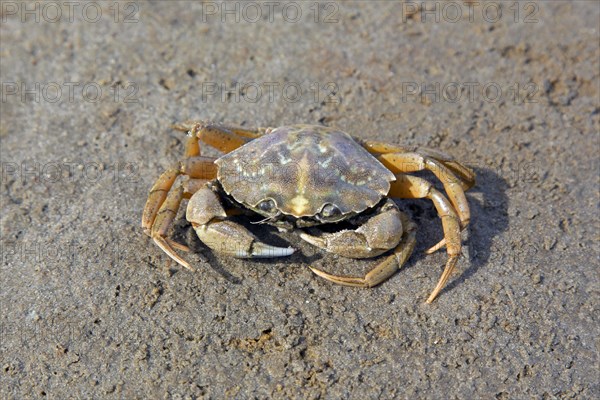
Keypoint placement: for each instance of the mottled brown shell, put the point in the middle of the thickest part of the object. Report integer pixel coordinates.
(302, 168)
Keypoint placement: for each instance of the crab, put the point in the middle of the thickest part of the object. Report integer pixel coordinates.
(303, 177)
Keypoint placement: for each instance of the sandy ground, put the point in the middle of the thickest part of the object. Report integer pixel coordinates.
(90, 308)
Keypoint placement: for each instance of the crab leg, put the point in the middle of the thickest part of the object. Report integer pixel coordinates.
(375, 147)
(156, 197)
(464, 174)
(198, 167)
(167, 213)
(412, 187)
(387, 267)
(194, 167)
(158, 192)
(211, 223)
(164, 218)
(225, 138)
(412, 162)
(164, 200)
(192, 147)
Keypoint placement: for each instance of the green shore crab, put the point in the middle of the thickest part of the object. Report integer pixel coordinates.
(303, 176)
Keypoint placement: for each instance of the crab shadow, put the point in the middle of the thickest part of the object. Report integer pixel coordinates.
(489, 218)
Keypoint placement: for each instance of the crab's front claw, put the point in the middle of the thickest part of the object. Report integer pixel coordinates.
(388, 229)
(210, 222)
(232, 239)
(379, 234)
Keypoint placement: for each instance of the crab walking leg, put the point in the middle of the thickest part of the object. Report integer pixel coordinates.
(412, 162)
(166, 214)
(194, 167)
(436, 247)
(209, 219)
(161, 187)
(252, 133)
(156, 197)
(387, 267)
(199, 167)
(164, 218)
(465, 175)
(375, 147)
(412, 187)
(447, 171)
(192, 147)
(225, 138)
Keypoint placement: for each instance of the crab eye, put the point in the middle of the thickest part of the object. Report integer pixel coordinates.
(330, 211)
(267, 206)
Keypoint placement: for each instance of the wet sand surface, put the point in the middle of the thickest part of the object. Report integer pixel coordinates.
(91, 308)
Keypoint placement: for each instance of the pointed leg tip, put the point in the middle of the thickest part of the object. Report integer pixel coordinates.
(178, 245)
(190, 268)
(436, 247)
(164, 244)
(320, 273)
(341, 280)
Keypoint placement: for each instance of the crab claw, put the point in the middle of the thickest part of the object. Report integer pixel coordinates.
(379, 234)
(385, 268)
(234, 240)
(210, 222)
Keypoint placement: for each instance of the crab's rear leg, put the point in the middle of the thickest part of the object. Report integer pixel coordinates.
(164, 218)
(165, 215)
(412, 187)
(453, 185)
(217, 231)
(389, 229)
(222, 137)
(413, 162)
(464, 175)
